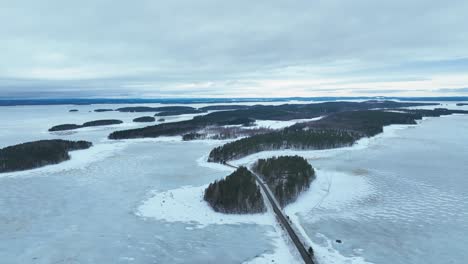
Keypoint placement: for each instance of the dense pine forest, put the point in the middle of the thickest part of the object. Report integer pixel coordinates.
(238, 193)
(284, 139)
(287, 176)
(335, 130)
(36, 154)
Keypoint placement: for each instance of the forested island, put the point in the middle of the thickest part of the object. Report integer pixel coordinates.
(252, 113)
(144, 119)
(103, 122)
(286, 176)
(37, 154)
(73, 110)
(238, 193)
(462, 104)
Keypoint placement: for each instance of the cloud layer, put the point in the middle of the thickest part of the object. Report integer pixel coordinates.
(237, 48)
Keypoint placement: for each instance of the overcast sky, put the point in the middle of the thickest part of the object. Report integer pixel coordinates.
(242, 48)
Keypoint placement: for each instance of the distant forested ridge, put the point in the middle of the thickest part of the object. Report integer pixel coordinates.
(144, 119)
(154, 109)
(258, 112)
(224, 107)
(36, 154)
(90, 101)
(104, 122)
(238, 193)
(287, 176)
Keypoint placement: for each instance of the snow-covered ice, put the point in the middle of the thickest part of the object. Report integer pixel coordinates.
(186, 204)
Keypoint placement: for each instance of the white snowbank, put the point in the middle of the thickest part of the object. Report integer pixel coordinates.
(186, 204)
(283, 251)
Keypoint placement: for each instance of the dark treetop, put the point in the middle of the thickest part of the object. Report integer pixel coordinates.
(104, 122)
(287, 176)
(236, 194)
(36, 154)
(245, 116)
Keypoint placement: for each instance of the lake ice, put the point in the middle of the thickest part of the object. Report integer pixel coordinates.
(395, 199)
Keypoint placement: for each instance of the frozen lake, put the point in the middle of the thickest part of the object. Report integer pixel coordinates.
(399, 199)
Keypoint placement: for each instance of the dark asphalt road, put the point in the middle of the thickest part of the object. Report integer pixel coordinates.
(282, 219)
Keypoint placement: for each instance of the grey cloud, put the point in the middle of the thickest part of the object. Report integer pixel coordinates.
(111, 43)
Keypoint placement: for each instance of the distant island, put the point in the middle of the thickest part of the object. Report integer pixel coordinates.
(104, 122)
(287, 176)
(238, 193)
(73, 110)
(144, 119)
(37, 154)
(462, 104)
